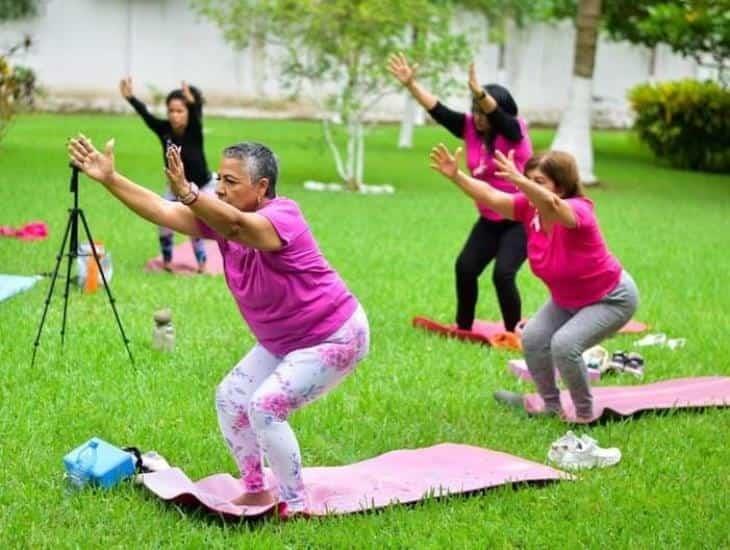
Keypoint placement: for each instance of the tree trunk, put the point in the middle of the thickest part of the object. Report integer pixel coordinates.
(355, 155)
(360, 155)
(339, 165)
(589, 15)
(351, 179)
(410, 110)
(408, 122)
(574, 130)
(652, 64)
(128, 42)
(501, 65)
(258, 55)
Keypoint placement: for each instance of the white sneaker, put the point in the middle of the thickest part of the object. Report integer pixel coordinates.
(571, 452)
(597, 358)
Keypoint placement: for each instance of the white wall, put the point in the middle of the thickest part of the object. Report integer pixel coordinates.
(83, 47)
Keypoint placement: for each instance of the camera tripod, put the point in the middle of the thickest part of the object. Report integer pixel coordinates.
(71, 235)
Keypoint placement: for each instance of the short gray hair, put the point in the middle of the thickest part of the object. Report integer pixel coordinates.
(261, 162)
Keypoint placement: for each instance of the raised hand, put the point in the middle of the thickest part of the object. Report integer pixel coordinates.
(125, 87)
(444, 162)
(175, 172)
(474, 86)
(189, 97)
(506, 167)
(399, 68)
(98, 166)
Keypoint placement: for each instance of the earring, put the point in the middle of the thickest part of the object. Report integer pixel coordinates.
(258, 201)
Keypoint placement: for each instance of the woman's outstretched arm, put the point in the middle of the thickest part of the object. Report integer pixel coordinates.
(448, 165)
(140, 200)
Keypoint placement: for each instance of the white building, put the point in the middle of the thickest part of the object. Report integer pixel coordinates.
(83, 47)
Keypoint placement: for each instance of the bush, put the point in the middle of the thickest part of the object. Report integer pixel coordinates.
(18, 90)
(685, 122)
(7, 95)
(26, 86)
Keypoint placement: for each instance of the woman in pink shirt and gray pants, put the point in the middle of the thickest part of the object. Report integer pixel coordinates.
(591, 296)
(311, 330)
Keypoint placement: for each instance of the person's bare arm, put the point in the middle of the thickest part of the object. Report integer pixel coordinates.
(140, 200)
(406, 74)
(448, 165)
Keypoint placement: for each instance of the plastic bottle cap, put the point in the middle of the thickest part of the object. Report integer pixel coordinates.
(93, 444)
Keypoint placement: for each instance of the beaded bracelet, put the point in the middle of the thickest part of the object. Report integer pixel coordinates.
(191, 196)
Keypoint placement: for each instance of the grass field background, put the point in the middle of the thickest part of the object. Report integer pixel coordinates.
(671, 230)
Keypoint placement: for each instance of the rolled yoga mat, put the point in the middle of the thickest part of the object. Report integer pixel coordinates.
(403, 476)
(679, 393)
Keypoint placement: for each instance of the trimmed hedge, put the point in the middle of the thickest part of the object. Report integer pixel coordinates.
(685, 122)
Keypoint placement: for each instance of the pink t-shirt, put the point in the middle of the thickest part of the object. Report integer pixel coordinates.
(575, 264)
(480, 160)
(291, 298)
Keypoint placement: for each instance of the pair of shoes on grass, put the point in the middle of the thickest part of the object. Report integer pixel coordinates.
(571, 452)
(630, 363)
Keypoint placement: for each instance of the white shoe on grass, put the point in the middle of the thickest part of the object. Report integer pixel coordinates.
(571, 452)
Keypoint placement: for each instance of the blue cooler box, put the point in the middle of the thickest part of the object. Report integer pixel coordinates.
(111, 466)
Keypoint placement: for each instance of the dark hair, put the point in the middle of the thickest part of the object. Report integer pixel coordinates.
(503, 98)
(178, 94)
(561, 168)
(505, 101)
(261, 162)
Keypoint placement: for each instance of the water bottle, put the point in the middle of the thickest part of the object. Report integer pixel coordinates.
(80, 472)
(163, 335)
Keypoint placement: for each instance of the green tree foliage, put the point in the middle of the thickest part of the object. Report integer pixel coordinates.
(18, 9)
(342, 46)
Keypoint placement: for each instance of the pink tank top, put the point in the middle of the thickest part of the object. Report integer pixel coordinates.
(480, 160)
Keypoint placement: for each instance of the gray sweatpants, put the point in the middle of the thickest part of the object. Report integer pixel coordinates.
(557, 337)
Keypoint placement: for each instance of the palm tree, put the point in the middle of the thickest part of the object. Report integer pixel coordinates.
(574, 131)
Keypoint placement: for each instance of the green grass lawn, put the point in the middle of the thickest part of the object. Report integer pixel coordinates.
(671, 230)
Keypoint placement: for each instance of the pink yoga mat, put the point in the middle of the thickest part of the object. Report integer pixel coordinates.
(484, 331)
(680, 393)
(396, 477)
(183, 259)
(518, 367)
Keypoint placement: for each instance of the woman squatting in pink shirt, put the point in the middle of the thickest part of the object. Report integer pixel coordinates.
(591, 296)
(311, 331)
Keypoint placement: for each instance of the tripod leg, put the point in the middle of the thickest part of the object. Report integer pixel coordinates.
(106, 285)
(50, 291)
(72, 253)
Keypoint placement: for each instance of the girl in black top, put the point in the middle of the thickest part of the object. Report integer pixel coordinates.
(183, 127)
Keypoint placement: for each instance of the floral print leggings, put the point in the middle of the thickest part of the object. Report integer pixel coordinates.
(254, 400)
